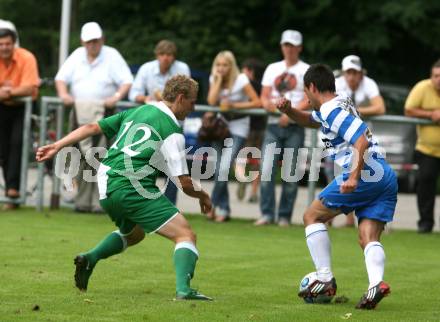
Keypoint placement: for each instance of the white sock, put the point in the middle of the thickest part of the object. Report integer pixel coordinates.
(188, 245)
(375, 262)
(318, 242)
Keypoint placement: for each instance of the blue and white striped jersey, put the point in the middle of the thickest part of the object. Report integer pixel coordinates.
(341, 126)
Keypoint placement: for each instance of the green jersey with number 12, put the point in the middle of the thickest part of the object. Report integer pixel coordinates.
(147, 138)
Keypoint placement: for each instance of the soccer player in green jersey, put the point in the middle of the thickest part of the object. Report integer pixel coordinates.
(146, 135)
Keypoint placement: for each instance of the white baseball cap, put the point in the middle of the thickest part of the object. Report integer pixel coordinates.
(292, 37)
(351, 62)
(5, 24)
(91, 30)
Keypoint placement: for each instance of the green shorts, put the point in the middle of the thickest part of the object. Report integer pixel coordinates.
(127, 209)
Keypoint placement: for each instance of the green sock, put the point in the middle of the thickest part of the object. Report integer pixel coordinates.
(111, 245)
(185, 258)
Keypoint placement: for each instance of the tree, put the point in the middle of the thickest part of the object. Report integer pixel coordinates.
(395, 39)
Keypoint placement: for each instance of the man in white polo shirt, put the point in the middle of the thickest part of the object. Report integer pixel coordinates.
(149, 84)
(366, 97)
(363, 90)
(92, 79)
(282, 79)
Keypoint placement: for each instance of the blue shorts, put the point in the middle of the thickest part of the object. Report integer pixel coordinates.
(372, 200)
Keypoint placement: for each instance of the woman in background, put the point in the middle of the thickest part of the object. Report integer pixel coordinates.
(231, 90)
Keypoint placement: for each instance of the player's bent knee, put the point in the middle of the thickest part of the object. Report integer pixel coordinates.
(185, 235)
(369, 231)
(364, 240)
(190, 235)
(136, 236)
(306, 219)
(318, 213)
(310, 217)
(133, 240)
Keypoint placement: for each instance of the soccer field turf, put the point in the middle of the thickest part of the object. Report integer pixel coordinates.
(253, 274)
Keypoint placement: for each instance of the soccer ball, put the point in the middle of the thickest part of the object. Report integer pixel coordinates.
(308, 280)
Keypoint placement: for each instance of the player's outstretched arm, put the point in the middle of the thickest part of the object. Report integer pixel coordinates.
(303, 118)
(47, 152)
(193, 189)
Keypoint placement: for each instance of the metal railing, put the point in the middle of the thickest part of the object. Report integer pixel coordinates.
(25, 151)
(49, 104)
(400, 119)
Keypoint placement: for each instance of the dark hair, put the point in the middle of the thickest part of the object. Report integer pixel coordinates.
(256, 66)
(4, 32)
(436, 64)
(321, 76)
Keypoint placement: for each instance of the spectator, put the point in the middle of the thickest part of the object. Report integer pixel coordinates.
(150, 82)
(363, 90)
(6, 24)
(424, 102)
(253, 68)
(282, 79)
(231, 90)
(98, 78)
(152, 76)
(366, 97)
(18, 77)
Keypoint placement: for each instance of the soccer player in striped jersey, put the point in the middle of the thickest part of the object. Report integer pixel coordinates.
(367, 184)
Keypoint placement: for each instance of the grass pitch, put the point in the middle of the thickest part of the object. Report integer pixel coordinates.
(253, 274)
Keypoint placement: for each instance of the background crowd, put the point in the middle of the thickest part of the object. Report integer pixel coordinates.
(96, 76)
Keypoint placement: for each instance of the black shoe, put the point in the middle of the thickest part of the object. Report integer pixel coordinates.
(319, 292)
(98, 211)
(373, 296)
(253, 199)
(82, 210)
(424, 229)
(83, 271)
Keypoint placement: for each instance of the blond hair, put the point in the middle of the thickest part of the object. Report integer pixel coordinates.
(179, 84)
(233, 70)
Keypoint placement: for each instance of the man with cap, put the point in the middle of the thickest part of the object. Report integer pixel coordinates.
(363, 90)
(98, 77)
(6, 24)
(366, 97)
(282, 79)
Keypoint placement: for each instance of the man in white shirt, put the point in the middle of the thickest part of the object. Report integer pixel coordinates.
(363, 90)
(152, 76)
(366, 97)
(92, 79)
(149, 84)
(282, 79)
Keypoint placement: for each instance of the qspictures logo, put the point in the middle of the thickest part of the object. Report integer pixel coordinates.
(140, 151)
